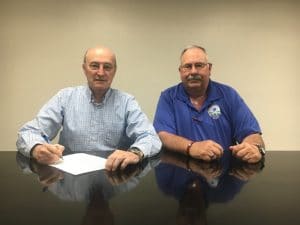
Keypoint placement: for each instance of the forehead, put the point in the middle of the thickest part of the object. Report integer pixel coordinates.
(193, 55)
(100, 55)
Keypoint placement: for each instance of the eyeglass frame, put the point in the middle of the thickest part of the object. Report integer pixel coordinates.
(198, 66)
(96, 66)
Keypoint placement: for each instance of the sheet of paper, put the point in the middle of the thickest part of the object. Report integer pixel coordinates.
(79, 163)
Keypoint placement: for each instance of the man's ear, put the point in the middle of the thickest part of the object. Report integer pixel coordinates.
(210, 66)
(84, 68)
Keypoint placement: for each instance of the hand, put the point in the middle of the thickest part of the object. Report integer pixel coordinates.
(243, 174)
(207, 170)
(121, 159)
(244, 171)
(246, 152)
(47, 153)
(206, 150)
(47, 174)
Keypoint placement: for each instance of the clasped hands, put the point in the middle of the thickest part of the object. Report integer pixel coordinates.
(209, 150)
(51, 153)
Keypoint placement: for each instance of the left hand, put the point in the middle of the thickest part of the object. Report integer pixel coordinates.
(246, 152)
(120, 159)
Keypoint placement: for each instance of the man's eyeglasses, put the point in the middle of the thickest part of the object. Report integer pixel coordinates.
(106, 66)
(189, 66)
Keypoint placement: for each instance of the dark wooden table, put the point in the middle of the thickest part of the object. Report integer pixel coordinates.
(168, 189)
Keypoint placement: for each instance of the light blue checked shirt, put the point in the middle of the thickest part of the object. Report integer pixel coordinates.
(116, 123)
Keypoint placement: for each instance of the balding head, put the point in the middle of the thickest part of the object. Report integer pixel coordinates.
(99, 51)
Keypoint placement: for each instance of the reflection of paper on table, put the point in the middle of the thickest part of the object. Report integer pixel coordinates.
(79, 163)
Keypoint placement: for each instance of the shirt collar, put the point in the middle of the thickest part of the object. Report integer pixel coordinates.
(89, 94)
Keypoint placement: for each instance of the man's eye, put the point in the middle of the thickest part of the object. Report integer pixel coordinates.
(94, 66)
(107, 66)
(199, 65)
(187, 66)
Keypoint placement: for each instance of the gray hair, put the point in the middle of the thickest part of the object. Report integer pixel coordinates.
(191, 47)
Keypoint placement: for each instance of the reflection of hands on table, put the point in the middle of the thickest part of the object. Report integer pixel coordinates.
(47, 175)
(245, 171)
(208, 170)
(122, 176)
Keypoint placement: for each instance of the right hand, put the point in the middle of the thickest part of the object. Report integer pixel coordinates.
(47, 153)
(206, 150)
(48, 175)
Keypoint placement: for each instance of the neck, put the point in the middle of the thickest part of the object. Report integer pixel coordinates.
(98, 95)
(196, 93)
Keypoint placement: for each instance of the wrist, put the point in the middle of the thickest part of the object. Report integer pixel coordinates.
(31, 153)
(261, 149)
(137, 152)
(188, 148)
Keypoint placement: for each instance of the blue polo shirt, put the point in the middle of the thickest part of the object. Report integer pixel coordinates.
(224, 117)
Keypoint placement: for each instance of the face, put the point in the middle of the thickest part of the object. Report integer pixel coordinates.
(195, 70)
(99, 68)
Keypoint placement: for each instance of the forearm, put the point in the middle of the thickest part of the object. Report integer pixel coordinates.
(28, 136)
(174, 142)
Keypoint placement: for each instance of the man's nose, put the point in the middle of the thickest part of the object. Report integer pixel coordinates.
(100, 70)
(194, 69)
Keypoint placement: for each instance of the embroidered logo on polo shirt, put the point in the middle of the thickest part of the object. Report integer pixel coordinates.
(214, 111)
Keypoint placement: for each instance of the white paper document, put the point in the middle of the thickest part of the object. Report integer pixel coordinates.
(79, 163)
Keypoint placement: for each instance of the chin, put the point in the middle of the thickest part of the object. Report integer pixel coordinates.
(194, 85)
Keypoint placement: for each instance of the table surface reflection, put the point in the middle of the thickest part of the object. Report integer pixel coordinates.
(168, 189)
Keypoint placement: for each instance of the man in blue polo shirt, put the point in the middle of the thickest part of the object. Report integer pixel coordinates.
(205, 119)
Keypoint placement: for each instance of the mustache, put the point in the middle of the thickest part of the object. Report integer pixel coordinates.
(196, 77)
(98, 78)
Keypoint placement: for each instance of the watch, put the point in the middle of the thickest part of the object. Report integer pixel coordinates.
(138, 152)
(261, 149)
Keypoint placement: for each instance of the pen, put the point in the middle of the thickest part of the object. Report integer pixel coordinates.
(48, 141)
(45, 137)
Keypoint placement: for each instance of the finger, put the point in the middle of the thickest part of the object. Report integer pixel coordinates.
(109, 163)
(211, 153)
(110, 160)
(55, 149)
(128, 161)
(254, 159)
(235, 148)
(60, 148)
(217, 150)
(117, 163)
(207, 158)
(243, 153)
(44, 156)
(246, 157)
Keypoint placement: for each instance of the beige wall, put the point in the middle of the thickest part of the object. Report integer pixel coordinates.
(254, 46)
